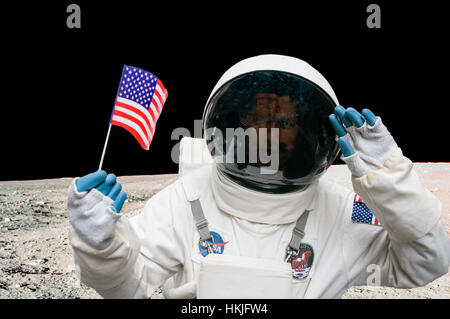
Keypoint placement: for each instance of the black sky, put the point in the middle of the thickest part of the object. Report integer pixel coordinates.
(61, 83)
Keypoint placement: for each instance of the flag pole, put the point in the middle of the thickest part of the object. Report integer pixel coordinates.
(109, 128)
(104, 147)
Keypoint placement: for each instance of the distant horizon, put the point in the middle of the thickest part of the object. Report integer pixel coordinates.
(137, 175)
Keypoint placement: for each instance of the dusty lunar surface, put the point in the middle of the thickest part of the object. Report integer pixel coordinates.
(36, 257)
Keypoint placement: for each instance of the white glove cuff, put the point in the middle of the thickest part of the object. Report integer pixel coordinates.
(373, 146)
(356, 165)
(92, 216)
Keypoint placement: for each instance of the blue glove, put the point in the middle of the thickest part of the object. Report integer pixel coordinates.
(349, 118)
(105, 184)
(93, 206)
(363, 139)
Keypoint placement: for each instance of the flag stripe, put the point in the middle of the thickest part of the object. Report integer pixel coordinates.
(133, 118)
(153, 112)
(160, 87)
(152, 118)
(154, 107)
(375, 221)
(148, 123)
(161, 93)
(156, 98)
(130, 129)
(133, 125)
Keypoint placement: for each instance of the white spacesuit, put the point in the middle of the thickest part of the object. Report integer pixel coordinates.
(215, 236)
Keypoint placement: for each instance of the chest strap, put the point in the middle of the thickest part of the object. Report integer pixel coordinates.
(202, 226)
(299, 231)
(200, 221)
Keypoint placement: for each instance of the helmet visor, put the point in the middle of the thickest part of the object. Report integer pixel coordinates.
(271, 129)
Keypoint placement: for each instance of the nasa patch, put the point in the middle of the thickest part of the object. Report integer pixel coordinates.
(301, 261)
(216, 245)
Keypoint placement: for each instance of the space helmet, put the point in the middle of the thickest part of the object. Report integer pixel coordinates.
(266, 124)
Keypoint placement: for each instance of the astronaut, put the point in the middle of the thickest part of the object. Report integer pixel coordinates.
(255, 218)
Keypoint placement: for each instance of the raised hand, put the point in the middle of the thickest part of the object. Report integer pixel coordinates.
(93, 205)
(364, 140)
(105, 184)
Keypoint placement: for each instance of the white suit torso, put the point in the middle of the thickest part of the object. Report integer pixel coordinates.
(163, 242)
(325, 230)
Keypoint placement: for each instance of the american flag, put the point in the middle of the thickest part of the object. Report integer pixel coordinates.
(139, 102)
(361, 213)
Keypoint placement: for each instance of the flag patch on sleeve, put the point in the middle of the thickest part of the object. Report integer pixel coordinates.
(361, 213)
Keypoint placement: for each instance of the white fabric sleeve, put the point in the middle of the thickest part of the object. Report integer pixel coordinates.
(411, 247)
(186, 291)
(397, 197)
(143, 253)
(92, 215)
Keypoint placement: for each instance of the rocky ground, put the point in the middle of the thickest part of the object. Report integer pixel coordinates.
(36, 256)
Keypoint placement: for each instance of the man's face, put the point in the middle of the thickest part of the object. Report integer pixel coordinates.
(274, 111)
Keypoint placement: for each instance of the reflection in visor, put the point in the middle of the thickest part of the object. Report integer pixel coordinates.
(280, 117)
